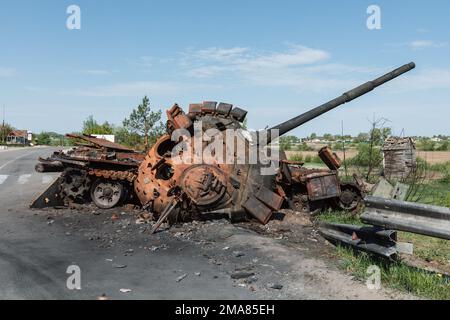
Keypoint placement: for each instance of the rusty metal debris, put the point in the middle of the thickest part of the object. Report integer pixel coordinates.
(97, 169)
(172, 191)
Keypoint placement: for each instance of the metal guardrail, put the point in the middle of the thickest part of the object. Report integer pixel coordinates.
(412, 217)
(374, 240)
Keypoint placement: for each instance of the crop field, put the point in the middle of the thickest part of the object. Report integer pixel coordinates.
(432, 157)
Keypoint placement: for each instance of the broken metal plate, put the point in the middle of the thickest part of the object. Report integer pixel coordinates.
(258, 209)
(270, 198)
(50, 197)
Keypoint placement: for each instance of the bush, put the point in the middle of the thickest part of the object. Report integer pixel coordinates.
(443, 147)
(304, 147)
(364, 157)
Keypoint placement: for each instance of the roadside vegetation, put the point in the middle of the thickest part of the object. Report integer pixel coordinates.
(429, 184)
(397, 275)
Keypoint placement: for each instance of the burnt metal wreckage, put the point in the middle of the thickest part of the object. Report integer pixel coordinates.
(109, 174)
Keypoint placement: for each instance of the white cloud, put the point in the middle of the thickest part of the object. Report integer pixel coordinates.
(232, 55)
(213, 60)
(7, 72)
(423, 44)
(423, 80)
(96, 72)
(298, 67)
(419, 44)
(298, 55)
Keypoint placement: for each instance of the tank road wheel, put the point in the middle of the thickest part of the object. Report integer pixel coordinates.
(350, 198)
(75, 185)
(107, 194)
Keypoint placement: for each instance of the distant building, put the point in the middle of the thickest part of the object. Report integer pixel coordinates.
(23, 137)
(399, 157)
(109, 137)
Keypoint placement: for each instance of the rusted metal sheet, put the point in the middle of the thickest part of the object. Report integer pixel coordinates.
(224, 109)
(177, 118)
(258, 209)
(194, 110)
(101, 143)
(322, 186)
(51, 197)
(238, 114)
(270, 198)
(209, 107)
(329, 158)
(412, 217)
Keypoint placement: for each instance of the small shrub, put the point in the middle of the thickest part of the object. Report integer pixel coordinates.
(296, 157)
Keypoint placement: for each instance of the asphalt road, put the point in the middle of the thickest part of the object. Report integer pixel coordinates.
(34, 260)
(35, 252)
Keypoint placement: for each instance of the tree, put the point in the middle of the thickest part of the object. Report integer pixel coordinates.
(44, 138)
(362, 137)
(286, 142)
(91, 126)
(145, 122)
(123, 136)
(5, 130)
(378, 133)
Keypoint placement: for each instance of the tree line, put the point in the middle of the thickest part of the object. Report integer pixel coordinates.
(139, 130)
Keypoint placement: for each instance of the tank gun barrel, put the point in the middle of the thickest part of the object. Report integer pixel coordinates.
(346, 97)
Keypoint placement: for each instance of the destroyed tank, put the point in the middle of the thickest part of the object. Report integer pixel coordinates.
(208, 165)
(176, 190)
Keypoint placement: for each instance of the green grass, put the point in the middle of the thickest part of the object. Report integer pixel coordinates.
(435, 193)
(306, 159)
(339, 217)
(428, 248)
(395, 275)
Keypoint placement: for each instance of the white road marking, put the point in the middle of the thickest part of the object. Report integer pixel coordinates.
(11, 161)
(24, 178)
(46, 179)
(3, 177)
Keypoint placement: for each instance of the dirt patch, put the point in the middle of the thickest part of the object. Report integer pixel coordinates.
(434, 157)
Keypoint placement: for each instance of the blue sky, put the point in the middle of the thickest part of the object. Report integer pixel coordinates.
(274, 58)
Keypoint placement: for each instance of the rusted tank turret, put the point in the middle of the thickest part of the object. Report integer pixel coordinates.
(207, 184)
